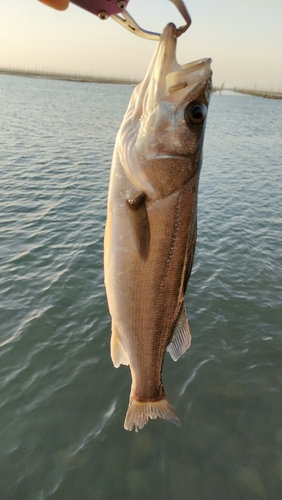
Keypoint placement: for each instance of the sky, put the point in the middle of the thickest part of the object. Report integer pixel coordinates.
(243, 38)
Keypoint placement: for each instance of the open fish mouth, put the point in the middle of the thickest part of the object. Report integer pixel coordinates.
(178, 76)
(191, 73)
(166, 76)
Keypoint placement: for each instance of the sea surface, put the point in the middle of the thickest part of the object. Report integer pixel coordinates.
(62, 403)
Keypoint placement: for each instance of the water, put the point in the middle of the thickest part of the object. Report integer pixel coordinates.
(62, 403)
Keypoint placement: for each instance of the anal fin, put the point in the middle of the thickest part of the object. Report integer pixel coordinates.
(140, 224)
(181, 339)
(118, 353)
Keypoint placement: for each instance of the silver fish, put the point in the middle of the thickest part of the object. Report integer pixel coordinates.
(151, 224)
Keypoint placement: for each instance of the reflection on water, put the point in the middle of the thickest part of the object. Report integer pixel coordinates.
(62, 402)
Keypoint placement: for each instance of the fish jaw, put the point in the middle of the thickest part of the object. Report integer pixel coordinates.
(154, 124)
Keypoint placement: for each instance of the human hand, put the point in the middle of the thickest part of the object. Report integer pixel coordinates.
(56, 4)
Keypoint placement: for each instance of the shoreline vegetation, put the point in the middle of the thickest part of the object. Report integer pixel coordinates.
(267, 94)
(260, 93)
(53, 75)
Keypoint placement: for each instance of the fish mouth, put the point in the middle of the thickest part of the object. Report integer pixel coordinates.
(192, 73)
(169, 74)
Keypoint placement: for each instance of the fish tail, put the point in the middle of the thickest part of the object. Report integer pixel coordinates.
(138, 413)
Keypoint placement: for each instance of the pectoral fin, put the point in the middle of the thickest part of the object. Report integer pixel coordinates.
(140, 224)
(181, 339)
(118, 353)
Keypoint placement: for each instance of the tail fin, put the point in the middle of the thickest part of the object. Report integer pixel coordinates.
(138, 413)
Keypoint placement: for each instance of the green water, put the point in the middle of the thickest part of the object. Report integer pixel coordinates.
(62, 403)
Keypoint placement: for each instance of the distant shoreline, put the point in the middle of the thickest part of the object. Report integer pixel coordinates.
(260, 93)
(66, 76)
(121, 81)
(267, 94)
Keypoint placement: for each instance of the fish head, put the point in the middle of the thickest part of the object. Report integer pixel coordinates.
(161, 137)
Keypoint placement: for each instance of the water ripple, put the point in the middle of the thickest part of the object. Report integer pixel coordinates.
(62, 402)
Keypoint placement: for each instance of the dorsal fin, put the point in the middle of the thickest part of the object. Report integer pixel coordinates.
(140, 224)
(118, 353)
(181, 339)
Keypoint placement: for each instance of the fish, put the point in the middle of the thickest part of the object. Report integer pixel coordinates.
(151, 225)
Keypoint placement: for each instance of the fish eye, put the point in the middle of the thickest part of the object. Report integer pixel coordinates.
(195, 112)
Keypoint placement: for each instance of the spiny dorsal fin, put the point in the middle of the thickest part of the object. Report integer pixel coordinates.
(118, 353)
(181, 339)
(140, 224)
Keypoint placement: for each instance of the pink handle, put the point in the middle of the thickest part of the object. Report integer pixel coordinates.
(102, 8)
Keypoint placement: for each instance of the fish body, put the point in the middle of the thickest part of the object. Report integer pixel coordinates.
(151, 224)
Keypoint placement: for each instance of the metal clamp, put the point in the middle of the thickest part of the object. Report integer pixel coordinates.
(117, 11)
